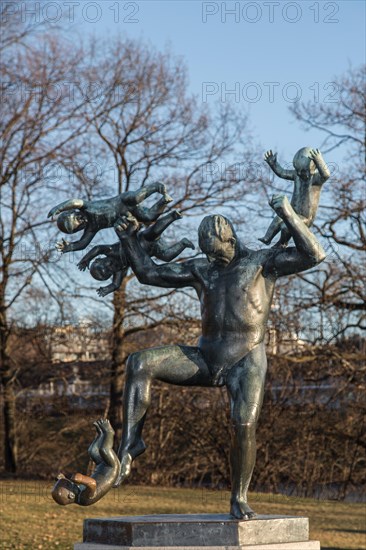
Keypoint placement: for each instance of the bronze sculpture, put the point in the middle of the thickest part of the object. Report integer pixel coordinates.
(235, 286)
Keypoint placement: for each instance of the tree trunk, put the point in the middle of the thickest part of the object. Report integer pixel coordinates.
(118, 359)
(10, 436)
(9, 403)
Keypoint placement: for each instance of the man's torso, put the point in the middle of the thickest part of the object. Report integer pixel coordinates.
(235, 304)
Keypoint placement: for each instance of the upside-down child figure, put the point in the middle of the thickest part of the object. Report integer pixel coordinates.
(115, 263)
(78, 214)
(86, 490)
(309, 174)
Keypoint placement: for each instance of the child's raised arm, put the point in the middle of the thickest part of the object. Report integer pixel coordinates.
(271, 160)
(323, 170)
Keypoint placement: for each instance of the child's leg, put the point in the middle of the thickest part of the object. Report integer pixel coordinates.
(144, 214)
(93, 450)
(272, 230)
(285, 237)
(168, 253)
(154, 231)
(285, 233)
(133, 198)
(109, 457)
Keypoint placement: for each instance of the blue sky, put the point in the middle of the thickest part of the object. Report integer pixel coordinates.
(266, 53)
(269, 51)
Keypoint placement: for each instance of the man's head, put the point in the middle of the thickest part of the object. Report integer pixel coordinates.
(64, 491)
(71, 221)
(217, 239)
(303, 164)
(103, 268)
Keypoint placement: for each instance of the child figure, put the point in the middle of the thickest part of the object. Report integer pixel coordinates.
(309, 175)
(115, 264)
(78, 214)
(85, 490)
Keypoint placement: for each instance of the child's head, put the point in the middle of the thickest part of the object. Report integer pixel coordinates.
(64, 491)
(71, 221)
(103, 268)
(303, 163)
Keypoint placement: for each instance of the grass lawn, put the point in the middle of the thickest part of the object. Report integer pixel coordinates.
(29, 518)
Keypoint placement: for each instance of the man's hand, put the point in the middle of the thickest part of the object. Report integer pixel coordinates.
(270, 158)
(126, 226)
(280, 205)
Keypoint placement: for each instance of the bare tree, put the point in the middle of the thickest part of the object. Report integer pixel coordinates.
(324, 309)
(144, 126)
(338, 285)
(38, 123)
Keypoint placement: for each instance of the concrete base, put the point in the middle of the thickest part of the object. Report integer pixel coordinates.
(196, 532)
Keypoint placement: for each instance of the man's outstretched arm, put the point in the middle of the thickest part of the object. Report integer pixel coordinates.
(308, 252)
(171, 275)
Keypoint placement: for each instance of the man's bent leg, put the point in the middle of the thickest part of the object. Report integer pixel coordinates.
(180, 365)
(245, 383)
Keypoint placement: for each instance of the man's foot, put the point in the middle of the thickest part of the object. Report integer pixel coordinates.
(241, 510)
(125, 470)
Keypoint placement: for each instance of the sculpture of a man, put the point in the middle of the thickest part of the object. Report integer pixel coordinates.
(235, 287)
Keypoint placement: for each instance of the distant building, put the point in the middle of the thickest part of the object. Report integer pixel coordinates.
(70, 343)
(280, 343)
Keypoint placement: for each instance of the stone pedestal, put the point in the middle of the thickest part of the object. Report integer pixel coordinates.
(196, 532)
